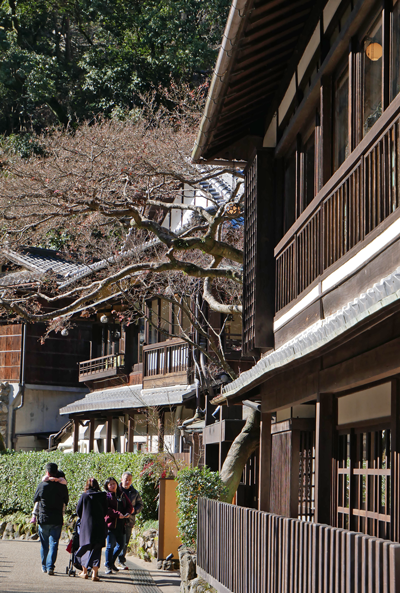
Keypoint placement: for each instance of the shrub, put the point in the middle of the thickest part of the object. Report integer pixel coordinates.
(155, 467)
(194, 483)
(21, 472)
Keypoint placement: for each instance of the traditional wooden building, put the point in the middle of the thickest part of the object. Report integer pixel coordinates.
(306, 94)
(144, 388)
(37, 376)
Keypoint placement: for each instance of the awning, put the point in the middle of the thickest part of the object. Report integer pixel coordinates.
(130, 397)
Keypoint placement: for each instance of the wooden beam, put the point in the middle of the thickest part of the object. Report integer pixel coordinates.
(294, 477)
(91, 434)
(108, 434)
(131, 429)
(297, 385)
(375, 365)
(325, 421)
(161, 430)
(76, 435)
(264, 482)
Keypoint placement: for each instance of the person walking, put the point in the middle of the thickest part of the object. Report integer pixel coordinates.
(119, 509)
(91, 510)
(51, 496)
(137, 504)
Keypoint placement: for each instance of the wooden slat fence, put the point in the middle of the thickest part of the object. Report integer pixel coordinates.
(361, 195)
(241, 550)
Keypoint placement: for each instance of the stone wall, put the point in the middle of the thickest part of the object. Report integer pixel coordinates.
(190, 582)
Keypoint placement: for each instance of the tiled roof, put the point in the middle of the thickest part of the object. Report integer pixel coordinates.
(381, 294)
(130, 396)
(41, 260)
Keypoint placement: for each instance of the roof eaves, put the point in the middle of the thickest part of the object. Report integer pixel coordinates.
(382, 294)
(234, 26)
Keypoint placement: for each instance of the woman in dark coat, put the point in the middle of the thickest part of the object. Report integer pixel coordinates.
(119, 509)
(91, 509)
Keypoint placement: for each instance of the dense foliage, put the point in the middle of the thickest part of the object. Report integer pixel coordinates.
(194, 483)
(72, 59)
(20, 473)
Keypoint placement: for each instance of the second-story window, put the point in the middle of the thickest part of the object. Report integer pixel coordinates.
(290, 191)
(341, 117)
(372, 76)
(395, 51)
(309, 169)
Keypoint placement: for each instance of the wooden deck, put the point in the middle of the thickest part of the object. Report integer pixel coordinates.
(241, 550)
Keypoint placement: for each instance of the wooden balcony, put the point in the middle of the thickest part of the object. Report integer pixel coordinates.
(167, 363)
(241, 550)
(103, 367)
(342, 218)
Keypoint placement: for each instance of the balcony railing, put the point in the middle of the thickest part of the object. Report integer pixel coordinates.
(241, 550)
(359, 196)
(167, 363)
(98, 368)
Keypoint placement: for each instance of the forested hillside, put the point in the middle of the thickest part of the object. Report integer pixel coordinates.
(63, 60)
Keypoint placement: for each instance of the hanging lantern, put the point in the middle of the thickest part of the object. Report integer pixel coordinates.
(374, 51)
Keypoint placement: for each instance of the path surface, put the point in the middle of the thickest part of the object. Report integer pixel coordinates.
(20, 571)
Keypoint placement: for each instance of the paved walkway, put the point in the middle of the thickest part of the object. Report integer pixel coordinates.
(20, 571)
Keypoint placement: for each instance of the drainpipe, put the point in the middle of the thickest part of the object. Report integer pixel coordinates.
(21, 387)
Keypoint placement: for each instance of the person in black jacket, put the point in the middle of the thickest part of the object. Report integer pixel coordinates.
(51, 497)
(137, 504)
(91, 509)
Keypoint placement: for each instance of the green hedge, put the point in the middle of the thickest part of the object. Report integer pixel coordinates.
(194, 483)
(20, 473)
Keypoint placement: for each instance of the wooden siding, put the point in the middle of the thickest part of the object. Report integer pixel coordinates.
(10, 352)
(258, 288)
(360, 196)
(246, 551)
(55, 362)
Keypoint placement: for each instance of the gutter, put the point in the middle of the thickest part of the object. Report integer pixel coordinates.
(219, 81)
(21, 388)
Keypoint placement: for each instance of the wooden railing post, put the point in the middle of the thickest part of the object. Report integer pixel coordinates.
(264, 483)
(91, 434)
(131, 429)
(76, 435)
(324, 445)
(108, 433)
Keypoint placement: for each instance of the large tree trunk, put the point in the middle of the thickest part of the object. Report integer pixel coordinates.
(242, 447)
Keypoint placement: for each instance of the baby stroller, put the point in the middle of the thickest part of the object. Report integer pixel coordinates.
(72, 548)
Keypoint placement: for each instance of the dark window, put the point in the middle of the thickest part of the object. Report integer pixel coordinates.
(372, 76)
(309, 170)
(395, 61)
(341, 118)
(290, 192)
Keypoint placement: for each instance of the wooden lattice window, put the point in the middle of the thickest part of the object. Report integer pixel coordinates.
(306, 506)
(258, 261)
(364, 481)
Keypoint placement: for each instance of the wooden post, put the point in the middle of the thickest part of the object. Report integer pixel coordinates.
(161, 429)
(76, 435)
(91, 434)
(108, 433)
(265, 463)
(395, 462)
(325, 420)
(131, 429)
(294, 478)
